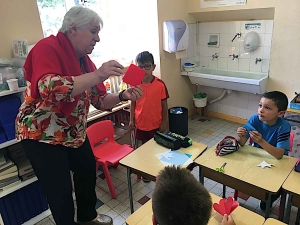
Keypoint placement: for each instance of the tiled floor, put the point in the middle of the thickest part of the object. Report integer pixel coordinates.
(208, 132)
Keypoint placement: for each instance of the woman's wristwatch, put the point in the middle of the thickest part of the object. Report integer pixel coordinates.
(121, 96)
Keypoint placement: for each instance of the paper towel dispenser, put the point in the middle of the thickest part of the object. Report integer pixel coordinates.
(175, 35)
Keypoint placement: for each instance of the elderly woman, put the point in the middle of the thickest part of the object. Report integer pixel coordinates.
(51, 124)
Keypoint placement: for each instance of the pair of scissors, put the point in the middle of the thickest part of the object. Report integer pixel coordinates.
(221, 169)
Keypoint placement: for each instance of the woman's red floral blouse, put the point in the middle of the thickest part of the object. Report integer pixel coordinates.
(40, 119)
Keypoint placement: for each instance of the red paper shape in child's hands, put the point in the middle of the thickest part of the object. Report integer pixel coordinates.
(226, 206)
(134, 75)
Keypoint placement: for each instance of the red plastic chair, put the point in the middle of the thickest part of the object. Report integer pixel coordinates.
(236, 193)
(106, 150)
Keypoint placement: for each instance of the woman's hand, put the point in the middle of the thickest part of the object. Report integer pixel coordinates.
(108, 69)
(133, 94)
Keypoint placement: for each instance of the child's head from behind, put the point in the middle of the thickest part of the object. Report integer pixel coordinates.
(145, 61)
(179, 199)
(272, 105)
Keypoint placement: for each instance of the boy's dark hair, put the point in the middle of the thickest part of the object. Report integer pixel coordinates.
(144, 57)
(179, 199)
(280, 99)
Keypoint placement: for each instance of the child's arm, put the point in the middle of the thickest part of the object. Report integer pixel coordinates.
(163, 125)
(242, 132)
(132, 120)
(277, 152)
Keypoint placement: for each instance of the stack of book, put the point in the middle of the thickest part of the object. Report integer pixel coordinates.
(18, 156)
(8, 173)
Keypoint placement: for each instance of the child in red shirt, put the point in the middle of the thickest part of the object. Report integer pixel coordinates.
(149, 113)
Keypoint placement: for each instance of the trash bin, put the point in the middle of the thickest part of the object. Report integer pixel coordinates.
(178, 123)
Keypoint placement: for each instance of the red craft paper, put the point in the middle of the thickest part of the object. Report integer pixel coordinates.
(226, 206)
(134, 75)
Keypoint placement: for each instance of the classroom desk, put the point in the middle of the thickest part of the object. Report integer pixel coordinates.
(143, 161)
(291, 186)
(96, 114)
(243, 174)
(271, 221)
(241, 216)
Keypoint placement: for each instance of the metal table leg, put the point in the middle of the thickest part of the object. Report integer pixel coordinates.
(224, 191)
(268, 203)
(288, 209)
(282, 201)
(201, 178)
(130, 189)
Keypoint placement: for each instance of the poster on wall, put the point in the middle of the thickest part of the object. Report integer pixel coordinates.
(221, 3)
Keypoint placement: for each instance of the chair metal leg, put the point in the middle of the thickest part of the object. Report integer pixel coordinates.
(281, 206)
(236, 195)
(298, 217)
(130, 189)
(224, 191)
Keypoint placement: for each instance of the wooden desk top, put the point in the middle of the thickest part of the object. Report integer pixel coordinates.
(291, 184)
(271, 221)
(144, 158)
(242, 165)
(241, 216)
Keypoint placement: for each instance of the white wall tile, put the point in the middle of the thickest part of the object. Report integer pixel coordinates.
(203, 39)
(253, 105)
(190, 51)
(222, 63)
(255, 67)
(203, 50)
(251, 113)
(254, 97)
(269, 26)
(223, 109)
(213, 107)
(242, 94)
(242, 103)
(258, 53)
(213, 63)
(265, 66)
(213, 27)
(203, 61)
(235, 27)
(192, 41)
(225, 39)
(266, 52)
(203, 28)
(243, 54)
(232, 111)
(267, 40)
(232, 99)
(223, 51)
(242, 113)
(244, 64)
(212, 51)
(224, 27)
(233, 50)
(261, 40)
(192, 28)
(233, 64)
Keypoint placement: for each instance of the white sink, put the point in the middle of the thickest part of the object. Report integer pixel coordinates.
(252, 82)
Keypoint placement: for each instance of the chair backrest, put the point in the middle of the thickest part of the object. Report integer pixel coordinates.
(291, 141)
(99, 131)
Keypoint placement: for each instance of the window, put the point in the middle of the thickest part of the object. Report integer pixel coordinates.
(126, 30)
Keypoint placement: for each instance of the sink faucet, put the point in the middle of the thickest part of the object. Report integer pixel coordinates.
(234, 56)
(215, 56)
(257, 60)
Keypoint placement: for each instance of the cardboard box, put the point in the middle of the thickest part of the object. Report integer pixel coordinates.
(294, 105)
(122, 135)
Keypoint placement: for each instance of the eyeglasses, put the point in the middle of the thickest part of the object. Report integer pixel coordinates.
(146, 67)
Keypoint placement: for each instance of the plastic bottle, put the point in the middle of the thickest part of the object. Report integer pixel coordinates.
(107, 86)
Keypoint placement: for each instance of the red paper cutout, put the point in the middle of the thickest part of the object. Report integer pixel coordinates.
(134, 75)
(226, 206)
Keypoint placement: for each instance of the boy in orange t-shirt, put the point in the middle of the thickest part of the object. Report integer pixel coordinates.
(149, 113)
